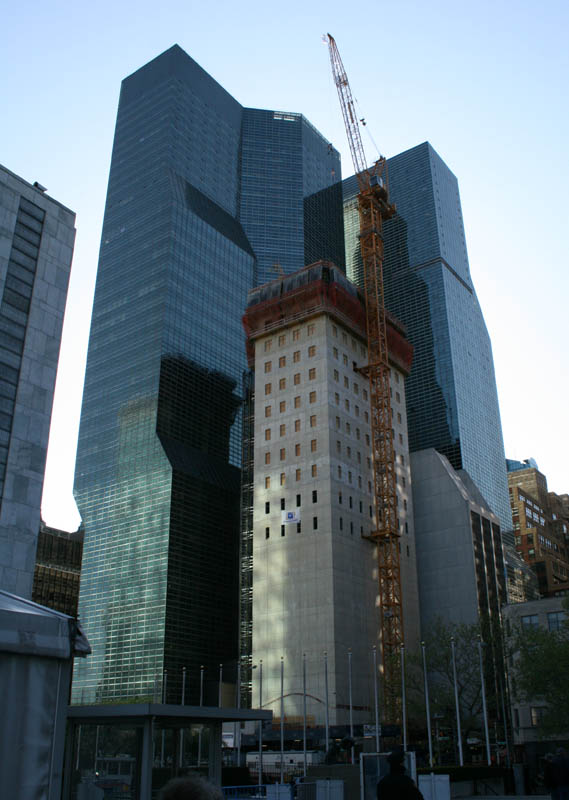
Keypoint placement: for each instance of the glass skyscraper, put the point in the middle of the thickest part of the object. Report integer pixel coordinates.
(452, 401)
(205, 200)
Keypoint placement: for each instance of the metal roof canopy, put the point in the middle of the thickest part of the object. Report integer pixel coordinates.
(92, 714)
(146, 716)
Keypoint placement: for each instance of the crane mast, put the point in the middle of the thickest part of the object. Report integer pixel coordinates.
(374, 207)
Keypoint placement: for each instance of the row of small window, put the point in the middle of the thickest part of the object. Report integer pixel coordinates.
(282, 428)
(296, 379)
(348, 429)
(295, 358)
(297, 474)
(315, 528)
(345, 340)
(297, 403)
(298, 502)
(282, 339)
(355, 385)
(555, 620)
(297, 451)
(349, 453)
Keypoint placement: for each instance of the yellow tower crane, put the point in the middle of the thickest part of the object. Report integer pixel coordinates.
(374, 207)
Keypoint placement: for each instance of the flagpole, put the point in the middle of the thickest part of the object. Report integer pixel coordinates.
(282, 719)
(304, 710)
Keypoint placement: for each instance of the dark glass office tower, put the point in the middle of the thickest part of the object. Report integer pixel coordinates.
(204, 198)
(452, 401)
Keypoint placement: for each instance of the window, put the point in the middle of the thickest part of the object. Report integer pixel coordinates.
(312, 374)
(345, 360)
(348, 427)
(282, 383)
(339, 471)
(296, 425)
(310, 329)
(267, 507)
(312, 397)
(337, 398)
(530, 621)
(283, 479)
(351, 501)
(283, 453)
(335, 351)
(267, 434)
(338, 423)
(282, 361)
(268, 366)
(296, 378)
(314, 523)
(347, 404)
(336, 375)
(349, 477)
(338, 446)
(367, 439)
(282, 406)
(298, 501)
(365, 394)
(282, 339)
(313, 445)
(361, 507)
(403, 482)
(313, 421)
(297, 402)
(340, 498)
(296, 335)
(297, 474)
(356, 388)
(298, 527)
(399, 418)
(349, 451)
(357, 410)
(282, 504)
(344, 337)
(396, 377)
(400, 438)
(366, 416)
(346, 383)
(341, 522)
(268, 345)
(314, 471)
(267, 483)
(282, 530)
(334, 331)
(351, 528)
(296, 356)
(357, 433)
(267, 458)
(537, 714)
(555, 620)
(312, 351)
(267, 533)
(398, 397)
(314, 496)
(297, 449)
(268, 388)
(282, 430)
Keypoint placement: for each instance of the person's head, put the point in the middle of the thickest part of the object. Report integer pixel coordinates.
(395, 760)
(191, 787)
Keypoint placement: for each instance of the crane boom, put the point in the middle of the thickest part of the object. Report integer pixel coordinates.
(374, 207)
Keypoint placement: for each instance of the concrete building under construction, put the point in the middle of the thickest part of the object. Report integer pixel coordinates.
(310, 576)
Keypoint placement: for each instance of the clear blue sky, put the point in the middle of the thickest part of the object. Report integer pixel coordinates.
(485, 83)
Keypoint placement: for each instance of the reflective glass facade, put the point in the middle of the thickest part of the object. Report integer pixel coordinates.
(157, 475)
(452, 401)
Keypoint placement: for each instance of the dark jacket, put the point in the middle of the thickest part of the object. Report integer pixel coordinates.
(398, 786)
